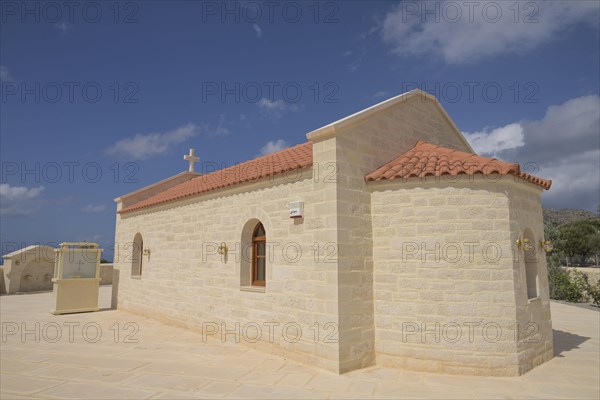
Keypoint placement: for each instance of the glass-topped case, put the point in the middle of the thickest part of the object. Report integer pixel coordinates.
(78, 261)
(76, 283)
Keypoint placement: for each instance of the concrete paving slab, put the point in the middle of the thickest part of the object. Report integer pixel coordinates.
(249, 391)
(216, 390)
(85, 374)
(25, 385)
(161, 382)
(295, 379)
(166, 362)
(71, 390)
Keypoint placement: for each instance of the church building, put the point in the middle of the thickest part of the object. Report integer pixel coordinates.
(381, 240)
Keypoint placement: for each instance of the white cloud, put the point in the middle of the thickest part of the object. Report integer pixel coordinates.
(220, 130)
(18, 200)
(355, 65)
(271, 104)
(5, 74)
(469, 31)
(377, 21)
(91, 208)
(151, 144)
(97, 238)
(273, 146)
(381, 93)
(63, 27)
(563, 146)
(12, 193)
(497, 140)
(568, 128)
(257, 29)
(276, 108)
(574, 181)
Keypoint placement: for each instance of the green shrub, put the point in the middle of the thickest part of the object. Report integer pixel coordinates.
(562, 286)
(591, 292)
(581, 281)
(579, 239)
(565, 289)
(573, 287)
(594, 293)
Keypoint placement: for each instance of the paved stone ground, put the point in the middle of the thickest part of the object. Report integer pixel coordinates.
(587, 306)
(172, 363)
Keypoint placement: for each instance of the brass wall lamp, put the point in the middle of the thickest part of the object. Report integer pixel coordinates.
(524, 243)
(146, 252)
(546, 245)
(222, 249)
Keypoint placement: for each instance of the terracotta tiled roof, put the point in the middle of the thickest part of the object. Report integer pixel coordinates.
(292, 158)
(426, 159)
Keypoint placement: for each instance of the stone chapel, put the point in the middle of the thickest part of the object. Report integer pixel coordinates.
(383, 239)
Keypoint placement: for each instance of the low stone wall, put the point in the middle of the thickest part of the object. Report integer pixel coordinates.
(2, 284)
(28, 270)
(36, 278)
(114, 299)
(593, 273)
(106, 274)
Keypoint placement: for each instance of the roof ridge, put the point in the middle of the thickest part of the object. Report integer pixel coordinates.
(431, 163)
(287, 159)
(274, 153)
(256, 159)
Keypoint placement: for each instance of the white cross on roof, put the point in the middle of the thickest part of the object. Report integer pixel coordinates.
(191, 158)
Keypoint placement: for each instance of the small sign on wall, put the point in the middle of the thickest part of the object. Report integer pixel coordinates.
(297, 209)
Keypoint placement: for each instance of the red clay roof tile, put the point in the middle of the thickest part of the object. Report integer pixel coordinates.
(426, 159)
(292, 158)
(422, 160)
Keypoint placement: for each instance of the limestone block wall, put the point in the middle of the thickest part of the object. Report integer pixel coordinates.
(28, 270)
(360, 149)
(37, 276)
(185, 282)
(32, 269)
(149, 191)
(2, 282)
(106, 274)
(445, 274)
(340, 271)
(535, 344)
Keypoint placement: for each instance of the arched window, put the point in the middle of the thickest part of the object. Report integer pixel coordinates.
(531, 267)
(136, 256)
(259, 259)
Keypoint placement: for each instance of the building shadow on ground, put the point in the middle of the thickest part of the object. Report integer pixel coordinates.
(565, 341)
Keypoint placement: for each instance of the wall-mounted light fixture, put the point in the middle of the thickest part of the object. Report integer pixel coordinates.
(146, 252)
(546, 245)
(525, 244)
(222, 249)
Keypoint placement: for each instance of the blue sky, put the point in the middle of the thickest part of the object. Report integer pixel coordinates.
(103, 98)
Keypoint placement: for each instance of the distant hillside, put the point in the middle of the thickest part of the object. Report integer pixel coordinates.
(566, 215)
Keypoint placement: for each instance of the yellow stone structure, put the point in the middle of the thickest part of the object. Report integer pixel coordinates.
(433, 273)
(76, 278)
